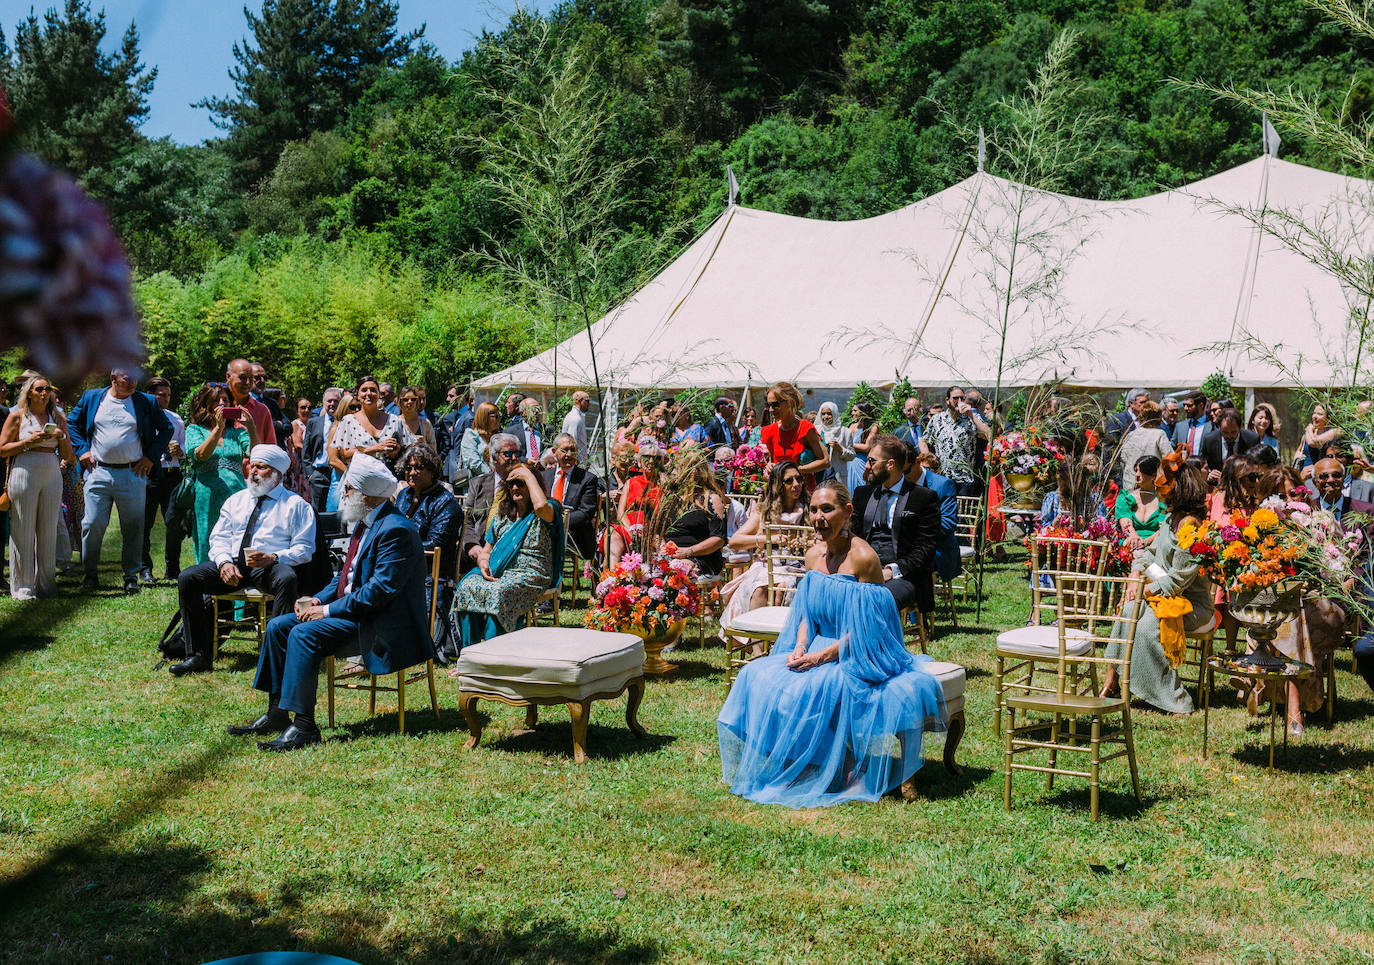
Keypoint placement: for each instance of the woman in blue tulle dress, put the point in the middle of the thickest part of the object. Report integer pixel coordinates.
(837, 710)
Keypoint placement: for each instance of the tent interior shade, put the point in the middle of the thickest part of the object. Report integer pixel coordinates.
(1133, 293)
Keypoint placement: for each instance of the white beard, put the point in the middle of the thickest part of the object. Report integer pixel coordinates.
(353, 508)
(265, 485)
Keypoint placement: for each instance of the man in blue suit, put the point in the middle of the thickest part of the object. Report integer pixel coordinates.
(376, 605)
(947, 561)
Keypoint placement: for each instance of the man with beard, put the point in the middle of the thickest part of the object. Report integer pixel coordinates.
(375, 607)
(262, 534)
(901, 521)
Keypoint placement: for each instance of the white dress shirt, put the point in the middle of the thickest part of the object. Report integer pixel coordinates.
(575, 425)
(178, 436)
(285, 527)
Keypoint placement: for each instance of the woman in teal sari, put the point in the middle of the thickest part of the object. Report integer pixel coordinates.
(521, 557)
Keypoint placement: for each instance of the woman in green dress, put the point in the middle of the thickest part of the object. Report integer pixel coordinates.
(521, 557)
(218, 447)
(1139, 512)
(1169, 571)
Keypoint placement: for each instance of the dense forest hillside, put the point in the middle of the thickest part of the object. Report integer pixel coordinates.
(340, 222)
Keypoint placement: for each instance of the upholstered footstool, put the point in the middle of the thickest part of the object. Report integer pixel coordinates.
(540, 666)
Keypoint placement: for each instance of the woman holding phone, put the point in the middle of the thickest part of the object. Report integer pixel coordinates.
(34, 436)
(219, 439)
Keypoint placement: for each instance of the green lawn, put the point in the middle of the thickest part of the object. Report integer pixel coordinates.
(133, 829)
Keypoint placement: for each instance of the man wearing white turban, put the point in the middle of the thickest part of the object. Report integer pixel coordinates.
(376, 606)
(262, 535)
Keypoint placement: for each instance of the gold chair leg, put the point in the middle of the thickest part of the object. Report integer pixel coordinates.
(1130, 750)
(1006, 766)
(1094, 785)
(401, 677)
(329, 687)
(433, 697)
(579, 711)
(997, 697)
(1054, 754)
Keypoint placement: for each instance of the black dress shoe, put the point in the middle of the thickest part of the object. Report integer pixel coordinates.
(90, 585)
(274, 720)
(131, 586)
(292, 739)
(195, 663)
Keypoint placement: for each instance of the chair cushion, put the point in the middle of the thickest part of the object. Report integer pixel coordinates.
(766, 619)
(965, 552)
(1043, 642)
(953, 679)
(560, 656)
(533, 690)
(1206, 629)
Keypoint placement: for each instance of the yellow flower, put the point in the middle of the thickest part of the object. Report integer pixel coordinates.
(1186, 536)
(1233, 551)
(1264, 519)
(1250, 533)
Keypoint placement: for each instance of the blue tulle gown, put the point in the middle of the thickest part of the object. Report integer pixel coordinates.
(847, 730)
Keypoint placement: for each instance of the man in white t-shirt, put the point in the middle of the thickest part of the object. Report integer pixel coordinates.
(575, 423)
(162, 483)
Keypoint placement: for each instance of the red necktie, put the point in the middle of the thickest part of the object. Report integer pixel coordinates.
(347, 570)
(558, 486)
(534, 445)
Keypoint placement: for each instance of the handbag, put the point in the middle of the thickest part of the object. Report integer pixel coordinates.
(5, 501)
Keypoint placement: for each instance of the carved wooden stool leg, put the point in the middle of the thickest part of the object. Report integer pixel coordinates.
(531, 716)
(467, 703)
(952, 738)
(579, 711)
(636, 688)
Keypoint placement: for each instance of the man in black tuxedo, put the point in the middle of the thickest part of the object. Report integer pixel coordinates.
(901, 521)
(1226, 440)
(578, 490)
(313, 456)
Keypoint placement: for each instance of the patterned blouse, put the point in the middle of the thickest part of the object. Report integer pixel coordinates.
(953, 438)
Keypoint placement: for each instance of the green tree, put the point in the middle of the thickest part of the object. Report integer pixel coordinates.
(308, 62)
(77, 107)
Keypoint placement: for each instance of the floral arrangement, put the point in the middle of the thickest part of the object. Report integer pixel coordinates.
(1119, 555)
(1026, 452)
(1250, 551)
(645, 596)
(749, 470)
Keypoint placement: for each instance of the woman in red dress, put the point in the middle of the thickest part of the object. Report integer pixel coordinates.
(790, 438)
(640, 495)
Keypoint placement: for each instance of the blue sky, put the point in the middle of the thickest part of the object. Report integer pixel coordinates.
(191, 44)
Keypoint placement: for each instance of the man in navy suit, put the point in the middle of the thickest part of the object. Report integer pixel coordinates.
(525, 428)
(901, 522)
(947, 560)
(376, 605)
(1193, 426)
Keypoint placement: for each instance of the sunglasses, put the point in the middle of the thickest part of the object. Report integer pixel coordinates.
(956, 398)
(409, 398)
(1331, 475)
(41, 388)
(1252, 476)
(510, 454)
(411, 469)
(773, 405)
(356, 407)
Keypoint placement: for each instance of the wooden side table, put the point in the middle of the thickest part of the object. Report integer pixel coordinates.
(1227, 664)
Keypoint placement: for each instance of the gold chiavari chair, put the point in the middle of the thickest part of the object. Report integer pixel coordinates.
(1065, 701)
(784, 550)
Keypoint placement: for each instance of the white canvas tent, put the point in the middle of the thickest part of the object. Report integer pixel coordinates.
(1143, 286)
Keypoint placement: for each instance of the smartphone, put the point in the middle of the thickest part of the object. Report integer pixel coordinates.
(232, 413)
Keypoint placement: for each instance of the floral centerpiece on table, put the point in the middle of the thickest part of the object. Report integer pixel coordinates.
(749, 470)
(1026, 452)
(645, 597)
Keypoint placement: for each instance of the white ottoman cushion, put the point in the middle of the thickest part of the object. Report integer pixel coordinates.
(551, 662)
(766, 619)
(965, 552)
(1043, 642)
(953, 678)
(1206, 628)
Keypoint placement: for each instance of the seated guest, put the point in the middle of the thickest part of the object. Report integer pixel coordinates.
(263, 533)
(1226, 440)
(525, 428)
(687, 431)
(521, 556)
(1234, 495)
(902, 524)
(439, 518)
(504, 455)
(920, 472)
(375, 606)
(837, 710)
(1154, 675)
(1318, 435)
(783, 502)
(639, 496)
(622, 469)
(578, 491)
(692, 513)
(1139, 514)
(1076, 497)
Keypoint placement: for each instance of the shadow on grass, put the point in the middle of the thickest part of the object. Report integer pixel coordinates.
(686, 669)
(934, 783)
(34, 625)
(1115, 799)
(139, 905)
(352, 723)
(1310, 757)
(554, 737)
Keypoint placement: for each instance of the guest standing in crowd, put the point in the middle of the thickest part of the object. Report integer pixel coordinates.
(838, 441)
(1145, 437)
(525, 428)
(575, 423)
(34, 438)
(1318, 435)
(271, 398)
(119, 434)
(162, 484)
(472, 451)
(952, 437)
(791, 438)
(1138, 513)
(1169, 418)
(375, 606)
(1226, 440)
(264, 533)
(902, 524)
(1193, 426)
(693, 510)
(439, 518)
(687, 431)
(750, 432)
(414, 426)
(1120, 423)
(313, 451)
(578, 491)
(1264, 423)
(451, 426)
(521, 556)
(721, 429)
(837, 710)
(370, 430)
(656, 428)
(622, 469)
(238, 376)
(863, 429)
(1154, 675)
(910, 430)
(219, 445)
